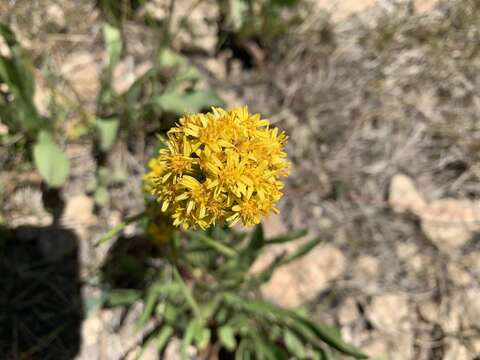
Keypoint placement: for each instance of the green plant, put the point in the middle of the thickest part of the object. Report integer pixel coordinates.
(215, 170)
(257, 19)
(19, 113)
(170, 87)
(202, 291)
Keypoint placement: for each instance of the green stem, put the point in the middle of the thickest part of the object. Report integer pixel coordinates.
(188, 295)
(224, 249)
(117, 228)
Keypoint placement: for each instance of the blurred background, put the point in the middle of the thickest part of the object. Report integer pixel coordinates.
(381, 102)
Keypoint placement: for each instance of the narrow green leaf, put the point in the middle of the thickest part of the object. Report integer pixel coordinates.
(257, 240)
(170, 58)
(250, 252)
(294, 344)
(112, 38)
(301, 251)
(188, 295)
(266, 349)
(191, 73)
(163, 337)
(101, 196)
(50, 161)
(266, 274)
(227, 337)
(293, 235)
(224, 249)
(179, 103)
(244, 350)
(152, 297)
(307, 328)
(107, 132)
(188, 338)
(119, 297)
(202, 337)
(118, 228)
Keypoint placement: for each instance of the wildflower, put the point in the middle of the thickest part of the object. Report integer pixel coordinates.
(222, 166)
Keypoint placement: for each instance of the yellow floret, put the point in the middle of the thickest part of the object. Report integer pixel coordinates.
(222, 166)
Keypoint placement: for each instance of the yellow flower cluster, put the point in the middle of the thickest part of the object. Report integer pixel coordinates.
(222, 166)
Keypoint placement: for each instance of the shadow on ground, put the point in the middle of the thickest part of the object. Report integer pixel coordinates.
(40, 303)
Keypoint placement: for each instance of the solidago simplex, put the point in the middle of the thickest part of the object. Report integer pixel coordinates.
(219, 167)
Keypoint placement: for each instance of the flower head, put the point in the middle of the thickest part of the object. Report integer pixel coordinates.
(222, 166)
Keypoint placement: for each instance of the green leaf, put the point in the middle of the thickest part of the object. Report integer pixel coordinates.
(250, 252)
(107, 132)
(308, 329)
(187, 292)
(266, 349)
(112, 38)
(301, 251)
(294, 344)
(50, 161)
(119, 297)
(119, 227)
(188, 338)
(16, 72)
(322, 354)
(101, 196)
(292, 235)
(201, 337)
(266, 274)
(170, 58)
(178, 102)
(152, 297)
(191, 73)
(244, 350)
(227, 337)
(224, 249)
(162, 338)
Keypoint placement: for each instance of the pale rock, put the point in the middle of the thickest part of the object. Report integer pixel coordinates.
(471, 311)
(341, 10)
(40, 97)
(82, 72)
(450, 223)
(217, 67)
(4, 48)
(56, 15)
(377, 348)
(3, 129)
(295, 283)
(429, 312)
(388, 312)
(273, 226)
(406, 250)
(458, 275)
(91, 329)
(348, 312)
(402, 346)
(150, 353)
(78, 212)
(451, 315)
(475, 344)
(125, 73)
(424, 6)
(173, 350)
(416, 263)
(456, 351)
(403, 195)
(367, 265)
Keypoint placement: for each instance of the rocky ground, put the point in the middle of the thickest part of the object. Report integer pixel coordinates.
(381, 103)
